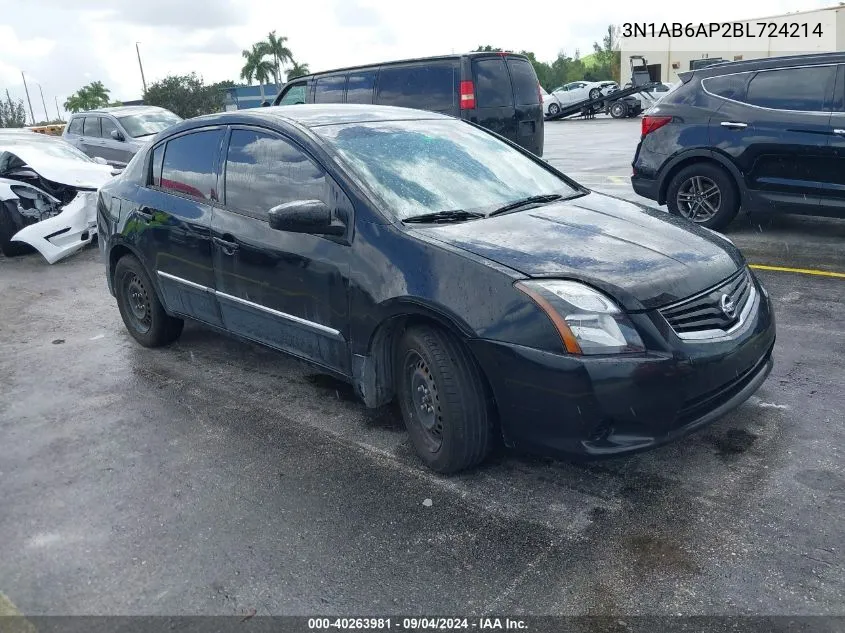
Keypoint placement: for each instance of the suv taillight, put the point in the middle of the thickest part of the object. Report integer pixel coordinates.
(467, 95)
(652, 123)
(539, 92)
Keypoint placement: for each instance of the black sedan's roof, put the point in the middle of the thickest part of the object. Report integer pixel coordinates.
(314, 115)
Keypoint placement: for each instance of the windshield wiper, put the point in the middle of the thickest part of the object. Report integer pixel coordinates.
(458, 215)
(513, 206)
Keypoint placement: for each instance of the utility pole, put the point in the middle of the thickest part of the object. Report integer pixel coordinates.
(141, 66)
(58, 115)
(46, 116)
(31, 113)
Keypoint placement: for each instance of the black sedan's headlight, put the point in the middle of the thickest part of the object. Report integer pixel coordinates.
(588, 321)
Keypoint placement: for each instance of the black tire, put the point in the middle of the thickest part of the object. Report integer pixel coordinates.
(619, 109)
(142, 312)
(434, 370)
(722, 204)
(8, 228)
(554, 109)
(595, 93)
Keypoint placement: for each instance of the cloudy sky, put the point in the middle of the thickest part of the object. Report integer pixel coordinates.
(64, 44)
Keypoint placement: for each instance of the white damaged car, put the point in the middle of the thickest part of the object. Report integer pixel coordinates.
(48, 195)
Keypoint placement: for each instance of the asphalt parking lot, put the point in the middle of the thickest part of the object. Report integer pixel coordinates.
(216, 477)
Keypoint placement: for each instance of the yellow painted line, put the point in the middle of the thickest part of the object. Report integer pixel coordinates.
(800, 271)
(12, 619)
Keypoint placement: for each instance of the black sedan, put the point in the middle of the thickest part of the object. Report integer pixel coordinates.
(425, 259)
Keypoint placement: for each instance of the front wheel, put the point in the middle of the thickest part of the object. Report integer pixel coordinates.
(443, 400)
(705, 194)
(142, 312)
(595, 93)
(554, 109)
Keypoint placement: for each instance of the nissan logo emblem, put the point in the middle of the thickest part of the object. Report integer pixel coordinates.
(727, 306)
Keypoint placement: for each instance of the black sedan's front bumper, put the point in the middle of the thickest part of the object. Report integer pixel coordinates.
(609, 405)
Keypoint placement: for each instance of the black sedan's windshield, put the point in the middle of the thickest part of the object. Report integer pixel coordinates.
(429, 166)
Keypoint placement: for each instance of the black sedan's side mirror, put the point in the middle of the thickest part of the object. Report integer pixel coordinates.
(305, 216)
(117, 135)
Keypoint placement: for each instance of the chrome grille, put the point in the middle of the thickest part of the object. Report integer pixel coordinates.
(705, 313)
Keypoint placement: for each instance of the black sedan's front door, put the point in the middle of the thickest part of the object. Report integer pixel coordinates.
(287, 290)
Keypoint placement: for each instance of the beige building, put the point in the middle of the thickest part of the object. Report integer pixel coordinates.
(822, 30)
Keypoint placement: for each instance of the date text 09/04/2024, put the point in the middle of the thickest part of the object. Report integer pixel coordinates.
(722, 29)
(417, 624)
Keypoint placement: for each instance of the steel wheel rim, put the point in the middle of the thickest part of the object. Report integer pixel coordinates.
(424, 401)
(616, 108)
(136, 299)
(699, 199)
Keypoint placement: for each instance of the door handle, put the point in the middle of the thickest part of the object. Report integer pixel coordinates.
(228, 246)
(839, 131)
(734, 125)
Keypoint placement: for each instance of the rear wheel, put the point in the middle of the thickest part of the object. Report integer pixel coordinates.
(142, 312)
(705, 194)
(443, 400)
(618, 109)
(554, 109)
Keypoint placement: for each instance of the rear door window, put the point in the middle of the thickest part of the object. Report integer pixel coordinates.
(76, 125)
(492, 84)
(524, 81)
(359, 89)
(91, 127)
(189, 165)
(797, 89)
(430, 87)
(330, 89)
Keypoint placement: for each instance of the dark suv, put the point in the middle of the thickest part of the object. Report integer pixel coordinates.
(499, 91)
(765, 135)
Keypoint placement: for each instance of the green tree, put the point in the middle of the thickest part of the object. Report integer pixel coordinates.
(487, 49)
(607, 57)
(186, 95)
(12, 113)
(297, 70)
(275, 47)
(94, 95)
(256, 67)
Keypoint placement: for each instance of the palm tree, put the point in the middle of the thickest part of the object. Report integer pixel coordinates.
(256, 67)
(275, 46)
(98, 94)
(297, 70)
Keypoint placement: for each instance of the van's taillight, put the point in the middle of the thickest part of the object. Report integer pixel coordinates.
(467, 95)
(652, 123)
(539, 92)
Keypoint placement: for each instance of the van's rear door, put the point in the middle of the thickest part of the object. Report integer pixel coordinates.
(528, 106)
(494, 105)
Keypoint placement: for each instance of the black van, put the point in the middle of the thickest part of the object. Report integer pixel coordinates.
(499, 91)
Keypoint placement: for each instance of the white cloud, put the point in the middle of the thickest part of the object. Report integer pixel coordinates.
(64, 45)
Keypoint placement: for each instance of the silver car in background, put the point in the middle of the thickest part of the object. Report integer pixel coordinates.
(116, 134)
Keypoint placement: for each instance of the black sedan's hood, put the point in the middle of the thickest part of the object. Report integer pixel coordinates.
(643, 257)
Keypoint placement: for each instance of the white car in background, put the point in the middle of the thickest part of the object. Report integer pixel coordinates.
(48, 195)
(551, 104)
(583, 90)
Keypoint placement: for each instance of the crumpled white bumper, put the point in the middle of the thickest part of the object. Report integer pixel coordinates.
(62, 235)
